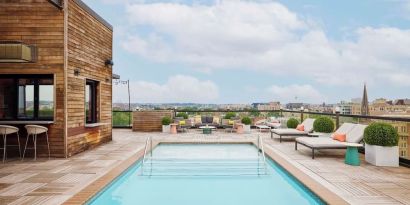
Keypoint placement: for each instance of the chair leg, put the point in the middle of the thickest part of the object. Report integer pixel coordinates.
(280, 138)
(296, 145)
(18, 140)
(35, 146)
(4, 147)
(313, 153)
(25, 147)
(271, 134)
(48, 146)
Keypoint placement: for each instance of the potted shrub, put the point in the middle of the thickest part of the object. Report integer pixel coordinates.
(324, 125)
(381, 145)
(246, 121)
(166, 128)
(292, 123)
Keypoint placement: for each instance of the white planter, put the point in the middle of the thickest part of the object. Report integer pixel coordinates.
(382, 156)
(247, 128)
(166, 128)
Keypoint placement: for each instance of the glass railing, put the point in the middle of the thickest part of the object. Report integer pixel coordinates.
(121, 119)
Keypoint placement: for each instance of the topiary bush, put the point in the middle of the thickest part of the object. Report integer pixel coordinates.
(381, 134)
(166, 121)
(292, 123)
(246, 120)
(230, 115)
(182, 114)
(323, 124)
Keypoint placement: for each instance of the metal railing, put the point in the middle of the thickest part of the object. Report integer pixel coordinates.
(401, 123)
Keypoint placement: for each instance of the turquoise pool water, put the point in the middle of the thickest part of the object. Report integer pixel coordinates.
(203, 174)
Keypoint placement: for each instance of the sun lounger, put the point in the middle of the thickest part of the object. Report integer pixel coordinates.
(288, 132)
(354, 135)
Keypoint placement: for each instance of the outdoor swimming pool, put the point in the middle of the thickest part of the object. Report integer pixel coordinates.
(205, 174)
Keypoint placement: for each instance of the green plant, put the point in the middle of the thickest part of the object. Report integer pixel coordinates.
(182, 114)
(166, 121)
(381, 134)
(292, 123)
(323, 124)
(229, 115)
(246, 120)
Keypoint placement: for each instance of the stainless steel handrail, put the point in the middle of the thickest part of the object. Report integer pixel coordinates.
(261, 145)
(149, 139)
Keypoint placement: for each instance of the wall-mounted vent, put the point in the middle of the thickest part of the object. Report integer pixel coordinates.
(17, 52)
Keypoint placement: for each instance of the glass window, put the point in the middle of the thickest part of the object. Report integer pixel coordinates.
(7, 100)
(46, 101)
(91, 101)
(26, 99)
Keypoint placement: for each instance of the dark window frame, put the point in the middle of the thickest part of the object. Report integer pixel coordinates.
(36, 78)
(93, 109)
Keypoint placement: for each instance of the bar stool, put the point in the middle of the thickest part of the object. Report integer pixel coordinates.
(8, 130)
(35, 130)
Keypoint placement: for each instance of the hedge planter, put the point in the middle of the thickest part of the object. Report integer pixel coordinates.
(166, 128)
(381, 147)
(382, 156)
(324, 126)
(247, 129)
(246, 121)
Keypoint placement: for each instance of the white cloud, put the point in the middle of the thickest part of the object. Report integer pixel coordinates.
(178, 88)
(296, 93)
(265, 37)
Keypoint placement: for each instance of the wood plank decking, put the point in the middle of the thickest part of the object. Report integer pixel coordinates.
(55, 181)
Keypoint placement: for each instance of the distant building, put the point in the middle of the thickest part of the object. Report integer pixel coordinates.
(267, 106)
(294, 106)
(365, 102)
(345, 108)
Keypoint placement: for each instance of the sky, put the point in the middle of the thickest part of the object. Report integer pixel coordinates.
(216, 51)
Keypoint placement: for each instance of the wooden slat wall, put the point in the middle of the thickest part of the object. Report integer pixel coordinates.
(149, 121)
(40, 23)
(89, 46)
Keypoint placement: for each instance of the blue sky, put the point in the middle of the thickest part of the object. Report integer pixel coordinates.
(254, 51)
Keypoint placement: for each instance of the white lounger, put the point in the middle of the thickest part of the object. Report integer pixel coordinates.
(308, 123)
(354, 135)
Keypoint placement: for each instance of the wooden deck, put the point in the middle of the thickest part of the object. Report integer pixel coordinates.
(55, 181)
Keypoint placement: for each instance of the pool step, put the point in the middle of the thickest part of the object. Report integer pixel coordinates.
(203, 167)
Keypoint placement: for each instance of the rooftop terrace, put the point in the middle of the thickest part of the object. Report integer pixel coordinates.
(55, 181)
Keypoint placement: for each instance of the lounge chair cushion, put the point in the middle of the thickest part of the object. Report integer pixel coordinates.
(274, 125)
(356, 134)
(308, 123)
(320, 142)
(288, 131)
(216, 120)
(203, 119)
(300, 127)
(339, 137)
(345, 128)
(197, 119)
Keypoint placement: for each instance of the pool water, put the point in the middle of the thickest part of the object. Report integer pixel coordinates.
(205, 174)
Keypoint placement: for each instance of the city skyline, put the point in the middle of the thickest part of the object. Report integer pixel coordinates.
(250, 51)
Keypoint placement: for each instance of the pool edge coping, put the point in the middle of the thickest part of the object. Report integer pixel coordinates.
(92, 189)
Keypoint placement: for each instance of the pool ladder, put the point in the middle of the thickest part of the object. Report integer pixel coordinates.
(261, 150)
(149, 140)
(184, 167)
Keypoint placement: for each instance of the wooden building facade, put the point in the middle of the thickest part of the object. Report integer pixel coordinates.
(56, 71)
